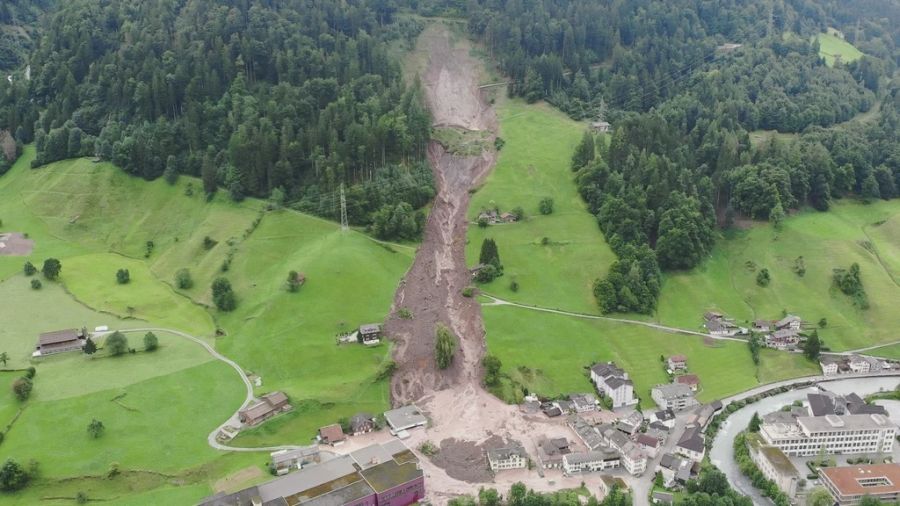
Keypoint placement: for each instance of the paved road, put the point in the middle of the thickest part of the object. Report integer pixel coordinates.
(233, 420)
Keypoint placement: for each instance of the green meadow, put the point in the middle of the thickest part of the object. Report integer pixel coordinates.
(849, 232)
(549, 354)
(831, 46)
(534, 164)
(159, 407)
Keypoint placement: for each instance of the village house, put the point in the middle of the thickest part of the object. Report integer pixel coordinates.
(332, 435)
(675, 470)
(362, 423)
(592, 461)
(268, 406)
(635, 461)
(677, 363)
(659, 431)
(649, 444)
(403, 419)
(662, 497)
(689, 380)
(789, 322)
(607, 483)
(854, 364)
(831, 364)
(774, 465)
(702, 415)
(675, 396)
(60, 341)
(489, 216)
(508, 217)
(284, 461)
(785, 339)
(614, 383)
(501, 459)
(858, 364)
(551, 452)
(551, 409)
(762, 326)
(379, 475)
(591, 437)
(692, 444)
(582, 403)
(369, 334)
(664, 416)
(631, 423)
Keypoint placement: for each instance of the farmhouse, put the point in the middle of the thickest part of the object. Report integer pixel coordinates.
(675, 396)
(689, 380)
(848, 485)
(332, 435)
(404, 419)
(270, 405)
(786, 339)
(662, 497)
(582, 403)
(59, 341)
(600, 126)
(590, 436)
(775, 465)
(361, 423)
(614, 383)
(831, 364)
(283, 461)
(501, 459)
(790, 322)
(597, 460)
(762, 326)
(631, 423)
(649, 444)
(369, 334)
(378, 475)
(666, 417)
(677, 363)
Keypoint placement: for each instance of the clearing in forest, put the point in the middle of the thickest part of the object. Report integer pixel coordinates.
(832, 47)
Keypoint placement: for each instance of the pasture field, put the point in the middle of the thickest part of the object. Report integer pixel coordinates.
(534, 164)
(849, 232)
(97, 219)
(831, 46)
(549, 354)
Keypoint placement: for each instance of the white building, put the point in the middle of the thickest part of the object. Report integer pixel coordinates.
(859, 364)
(574, 463)
(508, 458)
(675, 396)
(830, 364)
(614, 383)
(692, 445)
(789, 322)
(635, 461)
(847, 434)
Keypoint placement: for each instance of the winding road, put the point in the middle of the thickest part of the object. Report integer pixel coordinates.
(233, 420)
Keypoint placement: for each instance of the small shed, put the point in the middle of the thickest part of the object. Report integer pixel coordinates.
(332, 435)
(601, 126)
(369, 333)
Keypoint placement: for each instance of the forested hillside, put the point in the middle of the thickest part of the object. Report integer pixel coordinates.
(684, 83)
(288, 98)
(18, 29)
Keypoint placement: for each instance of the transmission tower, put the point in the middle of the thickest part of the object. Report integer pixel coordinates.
(344, 225)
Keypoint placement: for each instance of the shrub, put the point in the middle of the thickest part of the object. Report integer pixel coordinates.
(499, 143)
(763, 278)
(30, 372)
(294, 281)
(96, 428)
(22, 388)
(514, 285)
(483, 222)
(404, 313)
(123, 277)
(183, 279)
(30, 269)
(209, 243)
(468, 291)
(546, 206)
(486, 274)
(223, 295)
(519, 213)
(51, 269)
(13, 476)
(36, 284)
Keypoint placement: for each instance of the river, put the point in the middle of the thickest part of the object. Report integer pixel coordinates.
(722, 453)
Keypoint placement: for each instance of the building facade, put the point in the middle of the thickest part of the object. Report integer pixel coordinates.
(848, 485)
(775, 465)
(614, 383)
(676, 397)
(502, 459)
(848, 434)
(575, 463)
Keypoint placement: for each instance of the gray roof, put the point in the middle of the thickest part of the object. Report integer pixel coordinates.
(785, 334)
(507, 453)
(674, 391)
(299, 453)
(787, 320)
(307, 478)
(664, 415)
(820, 405)
(606, 370)
(405, 417)
(692, 440)
(59, 336)
(831, 359)
(659, 426)
(577, 459)
(846, 422)
(370, 328)
(664, 497)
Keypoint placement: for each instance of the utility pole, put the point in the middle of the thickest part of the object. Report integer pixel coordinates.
(344, 225)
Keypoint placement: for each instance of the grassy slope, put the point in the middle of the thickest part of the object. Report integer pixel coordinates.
(826, 241)
(547, 353)
(535, 164)
(831, 45)
(286, 338)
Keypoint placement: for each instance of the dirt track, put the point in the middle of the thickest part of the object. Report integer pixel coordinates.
(432, 289)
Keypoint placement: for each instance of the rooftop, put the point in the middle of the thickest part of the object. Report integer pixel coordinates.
(587, 457)
(300, 453)
(673, 391)
(776, 457)
(846, 422)
(404, 417)
(687, 379)
(820, 405)
(59, 336)
(861, 480)
(507, 453)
